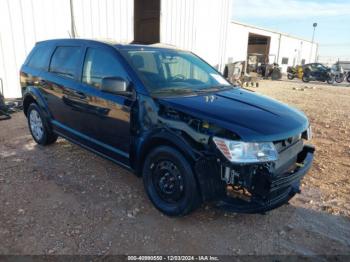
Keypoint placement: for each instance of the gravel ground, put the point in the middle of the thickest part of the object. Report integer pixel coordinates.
(62, 199)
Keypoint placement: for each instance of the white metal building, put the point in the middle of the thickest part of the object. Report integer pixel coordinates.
(202, 26)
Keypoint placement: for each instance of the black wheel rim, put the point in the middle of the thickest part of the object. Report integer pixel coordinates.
(168, 181)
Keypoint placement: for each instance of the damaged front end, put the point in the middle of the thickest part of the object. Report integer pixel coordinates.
(252, 178)
(261, 187)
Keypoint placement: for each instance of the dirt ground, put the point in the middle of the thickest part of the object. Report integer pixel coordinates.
(62, 199)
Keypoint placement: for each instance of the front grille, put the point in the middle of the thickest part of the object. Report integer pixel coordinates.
(281, 145)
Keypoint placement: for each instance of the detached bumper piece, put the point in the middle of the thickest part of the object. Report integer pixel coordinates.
(275, 190)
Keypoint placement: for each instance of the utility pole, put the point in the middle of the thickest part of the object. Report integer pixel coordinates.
(72, 22)
(279, 47)
(312, 41)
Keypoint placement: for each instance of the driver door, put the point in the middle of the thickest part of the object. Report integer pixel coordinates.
(105, 117)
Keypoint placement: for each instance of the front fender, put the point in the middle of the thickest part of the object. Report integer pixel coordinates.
(160, 136)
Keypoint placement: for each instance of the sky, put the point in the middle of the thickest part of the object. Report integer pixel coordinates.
(296, 17)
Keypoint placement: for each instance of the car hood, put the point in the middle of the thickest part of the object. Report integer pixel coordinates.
(251, 116)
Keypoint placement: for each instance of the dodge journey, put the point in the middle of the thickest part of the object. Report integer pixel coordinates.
(170, 118)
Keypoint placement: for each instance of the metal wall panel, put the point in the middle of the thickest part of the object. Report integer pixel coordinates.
(104, 19)
(24, 22)
(197, 25)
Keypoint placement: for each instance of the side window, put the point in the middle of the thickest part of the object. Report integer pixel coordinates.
(40, 58)
(99, 64)
(65, 61)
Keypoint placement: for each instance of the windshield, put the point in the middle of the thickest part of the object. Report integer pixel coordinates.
(174, 72)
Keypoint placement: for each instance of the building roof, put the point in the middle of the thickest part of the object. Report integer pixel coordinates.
(272, 31)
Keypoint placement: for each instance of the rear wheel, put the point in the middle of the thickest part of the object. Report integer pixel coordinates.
(38, 127)
(305, 79)
(330, 80)
(348, 78)
(290, 76)
(169, 182)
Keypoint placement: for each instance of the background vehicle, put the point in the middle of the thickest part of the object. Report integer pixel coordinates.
(339, 73)
(270, 70)
(171, 118)
(342, 69)
(317, 72)
(293, 72)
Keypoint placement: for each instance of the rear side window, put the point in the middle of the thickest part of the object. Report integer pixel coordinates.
(66, 60)
(99, 64)
(40, 58)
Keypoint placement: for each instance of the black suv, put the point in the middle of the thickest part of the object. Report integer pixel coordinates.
(171, 118)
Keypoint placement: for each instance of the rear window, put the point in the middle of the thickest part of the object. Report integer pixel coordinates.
(66, 60)
(40, 58)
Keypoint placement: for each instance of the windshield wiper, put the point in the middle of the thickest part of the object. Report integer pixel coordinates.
(212, 89)
(174, 90)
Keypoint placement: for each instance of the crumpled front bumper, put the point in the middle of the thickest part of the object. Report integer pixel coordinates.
(280, 189)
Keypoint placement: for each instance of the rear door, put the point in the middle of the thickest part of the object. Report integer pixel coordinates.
(60, 86)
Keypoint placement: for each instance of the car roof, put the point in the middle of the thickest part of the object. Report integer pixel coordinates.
(117, 45)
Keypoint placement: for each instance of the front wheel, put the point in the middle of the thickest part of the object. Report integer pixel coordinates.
(339, 78)
(38, 127)
(169, 182)
(348, 78)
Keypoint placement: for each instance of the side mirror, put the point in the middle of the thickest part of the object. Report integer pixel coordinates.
(115, 85)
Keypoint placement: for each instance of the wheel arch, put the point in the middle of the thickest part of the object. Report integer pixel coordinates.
(28, 99)
(32, 95)
(163, 138)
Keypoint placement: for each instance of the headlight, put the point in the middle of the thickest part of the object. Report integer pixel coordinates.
(242, 152)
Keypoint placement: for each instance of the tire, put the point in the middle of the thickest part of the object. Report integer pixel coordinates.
(39, 127)
(290, 76)
(330, 80)
(169, 182)
(305, 79)
(339, 79)
(348, 78)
